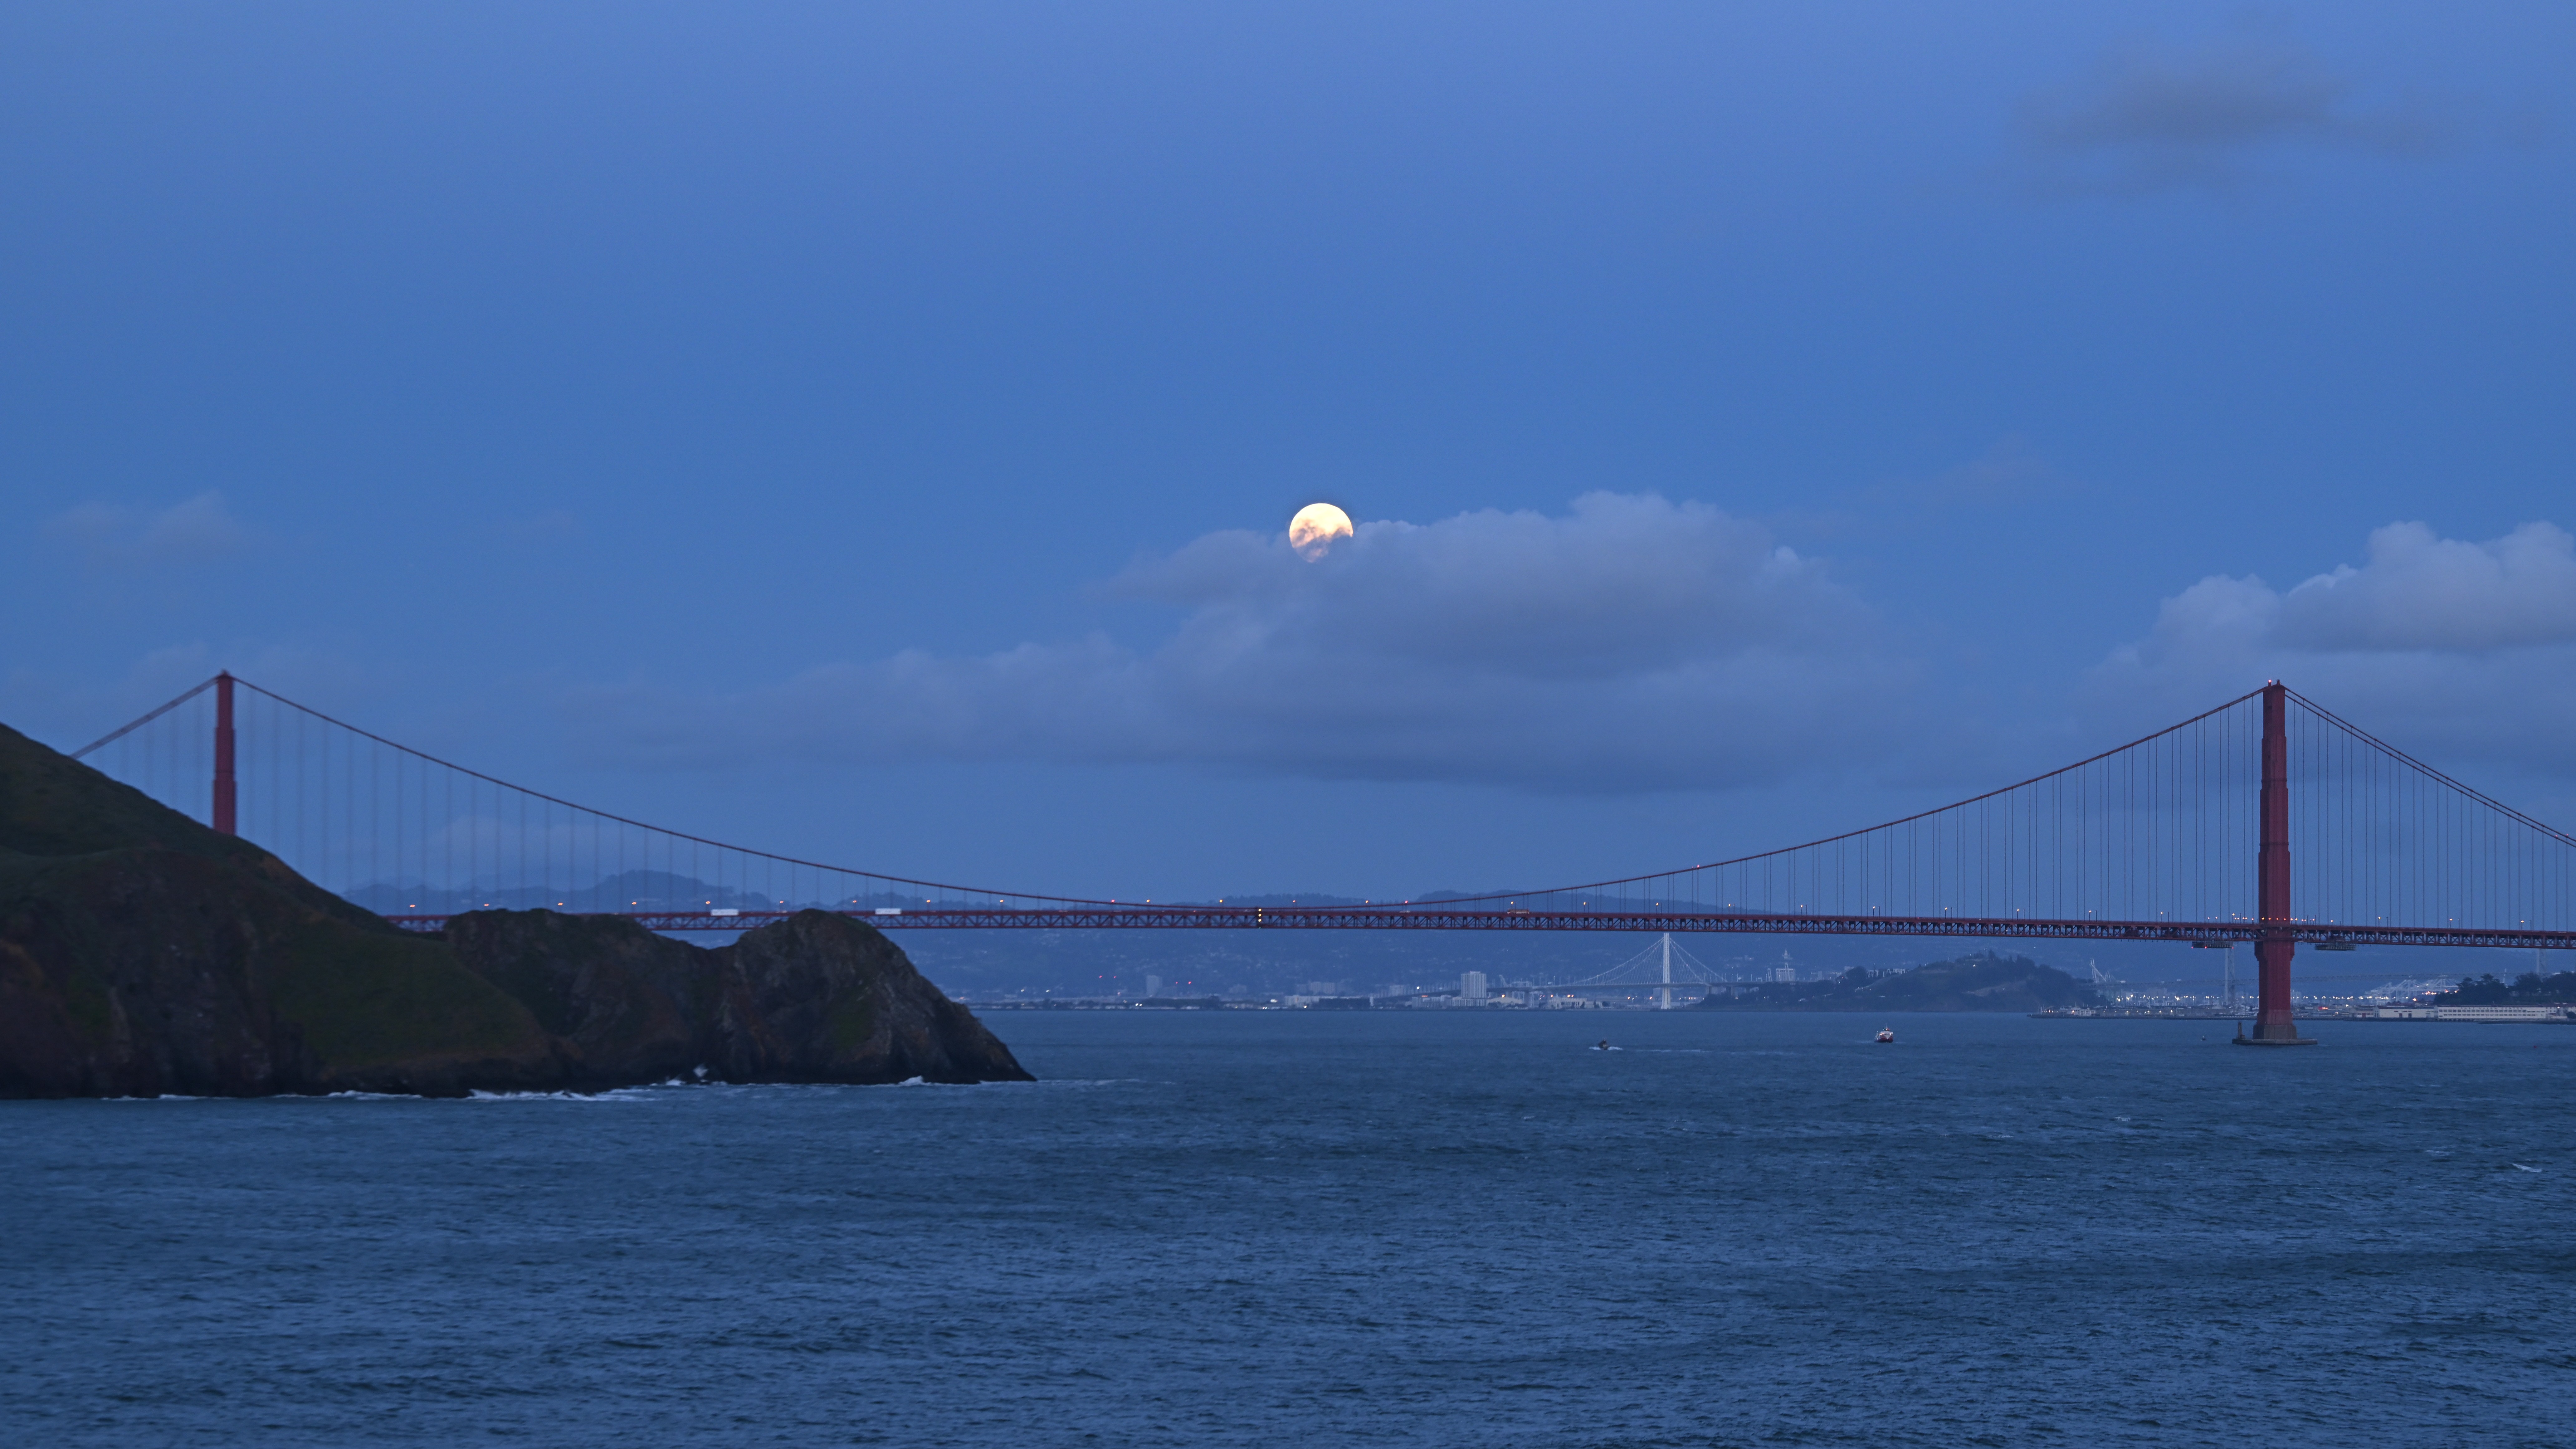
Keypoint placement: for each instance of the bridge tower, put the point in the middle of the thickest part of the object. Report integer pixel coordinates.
(223, 816)
(2274, 1024)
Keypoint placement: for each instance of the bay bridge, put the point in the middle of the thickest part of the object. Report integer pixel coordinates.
(2266, 820)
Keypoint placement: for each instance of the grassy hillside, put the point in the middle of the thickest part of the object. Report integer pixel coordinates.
(141, 953)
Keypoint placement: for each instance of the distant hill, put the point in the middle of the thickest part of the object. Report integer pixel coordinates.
(633, 890)
(2529, 989)
(1983, 981)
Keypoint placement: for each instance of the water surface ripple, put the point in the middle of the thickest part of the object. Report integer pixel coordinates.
(1378, 1228)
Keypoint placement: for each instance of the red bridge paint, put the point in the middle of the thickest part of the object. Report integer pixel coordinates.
(2144, 842)
(1401, 918)
(2273, 945)
(224, 816)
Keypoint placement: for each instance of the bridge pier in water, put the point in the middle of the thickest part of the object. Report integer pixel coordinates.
(2275, 1024)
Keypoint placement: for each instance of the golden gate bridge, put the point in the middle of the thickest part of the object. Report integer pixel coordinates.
(2267, 819)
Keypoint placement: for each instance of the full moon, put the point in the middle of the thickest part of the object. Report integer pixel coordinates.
(1315, 527)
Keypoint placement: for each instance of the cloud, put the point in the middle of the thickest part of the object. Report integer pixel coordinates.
(2423, 592)
(2467, 649)
(553, 526)
(195, 531)
(2009, 474)
(2155, 119)
(1629, 644)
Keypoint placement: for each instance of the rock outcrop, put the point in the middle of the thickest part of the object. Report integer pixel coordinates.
(143, 954)
(813, 998)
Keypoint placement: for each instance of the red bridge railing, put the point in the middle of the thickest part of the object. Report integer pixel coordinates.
(2266, 819)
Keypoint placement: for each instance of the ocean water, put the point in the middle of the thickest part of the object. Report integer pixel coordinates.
(1389, 1228)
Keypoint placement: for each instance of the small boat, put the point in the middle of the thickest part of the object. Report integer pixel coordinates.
(1886, 1034)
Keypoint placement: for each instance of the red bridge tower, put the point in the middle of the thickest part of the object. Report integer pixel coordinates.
(224, 814)
(2274, 1024)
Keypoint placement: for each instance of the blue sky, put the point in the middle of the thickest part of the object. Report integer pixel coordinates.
(871, 432)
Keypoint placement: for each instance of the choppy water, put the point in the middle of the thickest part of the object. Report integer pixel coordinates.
(1395, 1228)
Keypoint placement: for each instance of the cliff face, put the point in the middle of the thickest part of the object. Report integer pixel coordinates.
(142, 954)
(813, 998)
(624, 1004)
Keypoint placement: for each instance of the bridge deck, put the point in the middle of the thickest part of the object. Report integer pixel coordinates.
(1403, 918)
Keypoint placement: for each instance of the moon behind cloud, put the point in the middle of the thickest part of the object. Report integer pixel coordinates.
(1315, 527)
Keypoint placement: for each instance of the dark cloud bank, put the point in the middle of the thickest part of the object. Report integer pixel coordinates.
(2154, 118)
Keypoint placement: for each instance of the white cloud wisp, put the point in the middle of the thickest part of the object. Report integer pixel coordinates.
(193, 531)
(2459, 648)
(1630, 644)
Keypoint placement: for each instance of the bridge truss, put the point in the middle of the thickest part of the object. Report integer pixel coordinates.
(1413, 918)
(2268, 820)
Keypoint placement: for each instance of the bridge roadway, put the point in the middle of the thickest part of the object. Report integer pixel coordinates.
(1408, 918)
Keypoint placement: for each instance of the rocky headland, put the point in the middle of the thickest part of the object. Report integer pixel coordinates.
(143, 954)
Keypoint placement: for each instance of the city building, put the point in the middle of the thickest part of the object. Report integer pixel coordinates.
(2473, 1013)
